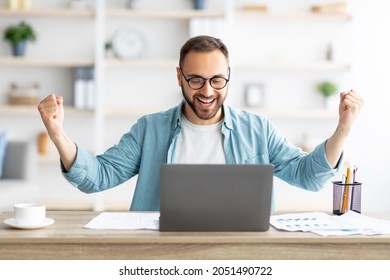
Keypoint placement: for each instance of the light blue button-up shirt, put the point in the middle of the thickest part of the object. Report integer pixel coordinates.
(247, 139)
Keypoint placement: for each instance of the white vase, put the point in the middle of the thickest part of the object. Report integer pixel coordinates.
(331, 102)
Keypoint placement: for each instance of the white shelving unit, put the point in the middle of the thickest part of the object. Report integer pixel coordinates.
(101, 16)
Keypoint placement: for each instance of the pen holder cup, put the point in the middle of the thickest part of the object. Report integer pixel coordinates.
(346, 197)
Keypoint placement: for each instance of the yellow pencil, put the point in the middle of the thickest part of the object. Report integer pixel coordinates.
(346, 191)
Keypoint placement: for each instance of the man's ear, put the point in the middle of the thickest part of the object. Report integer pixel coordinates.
(179, 77)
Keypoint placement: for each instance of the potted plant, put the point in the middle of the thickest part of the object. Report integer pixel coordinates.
(18, 35)
(108, 49)
(327, 89)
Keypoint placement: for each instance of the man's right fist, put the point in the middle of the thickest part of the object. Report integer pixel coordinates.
(52, 113)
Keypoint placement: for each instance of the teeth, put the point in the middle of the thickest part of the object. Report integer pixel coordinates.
(206, 101)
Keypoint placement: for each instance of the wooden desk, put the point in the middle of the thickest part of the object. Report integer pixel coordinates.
(67, 239)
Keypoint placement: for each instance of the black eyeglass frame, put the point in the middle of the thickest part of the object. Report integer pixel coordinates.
(205, 79)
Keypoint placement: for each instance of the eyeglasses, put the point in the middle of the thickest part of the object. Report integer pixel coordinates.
(197, 82)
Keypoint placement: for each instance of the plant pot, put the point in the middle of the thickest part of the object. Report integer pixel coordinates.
(19, 49)
(331, 102)
(199, 4)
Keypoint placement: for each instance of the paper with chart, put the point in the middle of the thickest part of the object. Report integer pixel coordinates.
(326, 225)
(125, 220)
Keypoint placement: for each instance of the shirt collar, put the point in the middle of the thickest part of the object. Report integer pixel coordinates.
(227, 117)
(178, 113)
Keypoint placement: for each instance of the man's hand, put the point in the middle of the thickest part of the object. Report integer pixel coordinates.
(349, 108)
(52, 113)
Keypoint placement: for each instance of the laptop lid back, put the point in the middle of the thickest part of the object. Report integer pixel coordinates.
(215, 197)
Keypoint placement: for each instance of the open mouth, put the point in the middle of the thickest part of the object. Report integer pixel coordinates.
(205, 101)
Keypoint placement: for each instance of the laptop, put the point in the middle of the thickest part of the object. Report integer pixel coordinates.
(215, 197)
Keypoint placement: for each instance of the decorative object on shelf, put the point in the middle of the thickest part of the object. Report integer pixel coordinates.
(108, 49)
(255, 8)
(254, 95)
(329, 52)
(328, 90)
(23, 95)
(332, 8)
(43, 143)
(128, 43)
(19, 4)
(13, 4)
(18, 36)
(78, 4)
(84, 88)
(199, 4)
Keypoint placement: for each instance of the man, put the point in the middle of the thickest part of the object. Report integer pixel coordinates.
(201, 129)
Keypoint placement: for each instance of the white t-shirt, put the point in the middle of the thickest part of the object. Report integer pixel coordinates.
(200, 144)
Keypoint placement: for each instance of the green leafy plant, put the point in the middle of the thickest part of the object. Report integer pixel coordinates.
(20, 32)
(108, 46)
(327, 88)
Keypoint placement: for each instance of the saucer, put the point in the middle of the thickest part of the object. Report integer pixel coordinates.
(12, 222)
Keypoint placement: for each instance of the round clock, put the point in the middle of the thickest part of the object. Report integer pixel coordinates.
(128, 43)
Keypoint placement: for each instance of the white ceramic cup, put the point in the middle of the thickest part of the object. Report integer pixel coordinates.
(28, 214)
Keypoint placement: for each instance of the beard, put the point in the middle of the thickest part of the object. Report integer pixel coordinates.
(204, 112)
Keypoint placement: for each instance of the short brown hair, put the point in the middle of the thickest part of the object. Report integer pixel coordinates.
(202, 43)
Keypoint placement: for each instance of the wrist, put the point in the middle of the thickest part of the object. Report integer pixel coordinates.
(342, 130)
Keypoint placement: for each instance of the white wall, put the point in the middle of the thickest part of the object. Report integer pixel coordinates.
(368, 144)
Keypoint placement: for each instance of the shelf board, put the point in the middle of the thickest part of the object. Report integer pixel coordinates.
(117, 13)
(131, 112)
(292, 16)
(271, 65)
(316, 114)
(290, 65)
(31, 110)
(171, 14)
(140, 62)
(163, 14)
(60, 12)
(18, 110)
(44, 62)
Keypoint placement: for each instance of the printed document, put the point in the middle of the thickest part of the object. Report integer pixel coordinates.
(326, 225)
(125, 220)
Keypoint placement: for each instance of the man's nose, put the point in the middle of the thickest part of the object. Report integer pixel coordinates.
(207, 89)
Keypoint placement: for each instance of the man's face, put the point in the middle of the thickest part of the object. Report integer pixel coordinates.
(204, 105)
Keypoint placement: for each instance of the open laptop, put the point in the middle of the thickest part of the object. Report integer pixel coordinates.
(215, 197)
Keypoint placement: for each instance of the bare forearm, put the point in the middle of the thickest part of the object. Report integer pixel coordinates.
(335, 145)
(66, 149)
